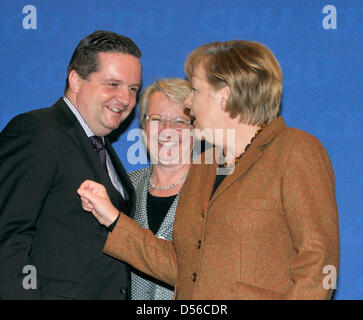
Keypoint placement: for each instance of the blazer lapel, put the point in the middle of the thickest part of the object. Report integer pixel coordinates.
(247, 161)
(77, 135)
(123, 176)
(209, 177)
(252, 155)
(142, 190)
(120, 170)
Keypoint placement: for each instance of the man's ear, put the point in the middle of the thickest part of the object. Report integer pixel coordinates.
(74, 81)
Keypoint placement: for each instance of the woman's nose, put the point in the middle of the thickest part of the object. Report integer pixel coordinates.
(188, 101)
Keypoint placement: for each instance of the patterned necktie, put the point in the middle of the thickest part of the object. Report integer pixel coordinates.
(99, 148)
(101, 151)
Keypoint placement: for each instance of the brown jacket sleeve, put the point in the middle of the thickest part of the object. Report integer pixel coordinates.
(308, 193)
(140, 248)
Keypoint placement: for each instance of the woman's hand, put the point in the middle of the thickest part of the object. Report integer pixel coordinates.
(95, 199)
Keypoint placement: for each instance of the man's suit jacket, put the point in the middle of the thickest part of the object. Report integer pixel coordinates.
(44, 157)
(267, 232)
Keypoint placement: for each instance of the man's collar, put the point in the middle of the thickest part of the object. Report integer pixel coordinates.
(79, 118)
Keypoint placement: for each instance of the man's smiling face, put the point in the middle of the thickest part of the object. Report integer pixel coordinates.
(108, 96)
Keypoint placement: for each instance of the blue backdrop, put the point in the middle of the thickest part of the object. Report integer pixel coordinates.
(318, 44)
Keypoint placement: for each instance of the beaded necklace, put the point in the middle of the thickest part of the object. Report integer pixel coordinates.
(169, 186)
(236, 159)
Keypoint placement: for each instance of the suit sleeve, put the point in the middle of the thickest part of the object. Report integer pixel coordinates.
(27, 169)
(140, 248)
(311, 211)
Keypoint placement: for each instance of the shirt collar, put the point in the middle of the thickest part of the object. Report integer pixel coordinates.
(84, 125)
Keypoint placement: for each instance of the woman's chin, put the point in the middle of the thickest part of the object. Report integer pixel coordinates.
(169, 161)
(171, 156)
(165, 161)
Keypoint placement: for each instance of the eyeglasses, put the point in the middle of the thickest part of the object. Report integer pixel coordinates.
(176, 123)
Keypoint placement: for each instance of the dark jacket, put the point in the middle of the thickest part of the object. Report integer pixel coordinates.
(44, 157)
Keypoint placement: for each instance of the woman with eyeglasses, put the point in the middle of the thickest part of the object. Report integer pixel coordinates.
(166, 126)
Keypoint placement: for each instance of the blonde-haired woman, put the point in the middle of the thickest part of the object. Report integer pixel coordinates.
(163, 118)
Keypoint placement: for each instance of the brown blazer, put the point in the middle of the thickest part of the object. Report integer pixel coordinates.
(266, 233)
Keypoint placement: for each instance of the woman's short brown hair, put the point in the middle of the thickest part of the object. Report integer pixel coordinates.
(250, 70)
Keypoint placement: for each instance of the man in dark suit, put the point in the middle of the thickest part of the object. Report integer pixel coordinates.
(49, 247)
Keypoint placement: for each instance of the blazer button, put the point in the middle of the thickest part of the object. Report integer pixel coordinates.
(199, 243)
(123, 290)
(194, 277)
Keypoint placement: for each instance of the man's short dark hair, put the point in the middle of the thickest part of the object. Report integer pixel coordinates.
(85, 58)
